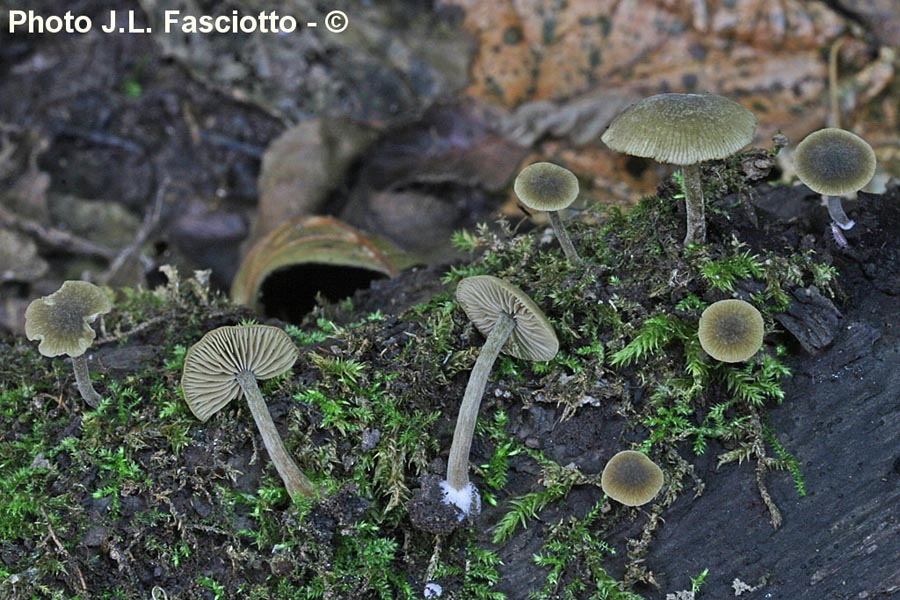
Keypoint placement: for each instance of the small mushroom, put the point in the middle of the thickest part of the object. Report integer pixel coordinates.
(731, 330)
(226, 363)
(513, 324)
(834, 162)
(61, 321)
(631, 478)
(550, 188)
(683, 129)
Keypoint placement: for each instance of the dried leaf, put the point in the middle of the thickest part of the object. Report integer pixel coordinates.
(310, 240)
(392, 59)
(301, 167)
(449, 144)
(767, 55)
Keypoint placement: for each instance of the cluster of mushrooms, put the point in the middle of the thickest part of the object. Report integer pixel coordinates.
(681, 129)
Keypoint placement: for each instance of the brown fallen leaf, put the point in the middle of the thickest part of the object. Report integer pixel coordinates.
(451, 143)
(416, 221)
(301, 167)
(391, 61)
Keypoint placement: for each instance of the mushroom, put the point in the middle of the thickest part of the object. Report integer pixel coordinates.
(513, 324)
(683, 129)
(550, 188)
(731, 330)
(834, 162)
(631, 478)
(226, 363)
(61, 321)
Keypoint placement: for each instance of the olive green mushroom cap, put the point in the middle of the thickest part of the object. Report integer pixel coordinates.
(210, 367)
(61, 321)
(731, 330)
(547, 187)
(834, 162)
(484, 298)
(681, 129)
(631, 478)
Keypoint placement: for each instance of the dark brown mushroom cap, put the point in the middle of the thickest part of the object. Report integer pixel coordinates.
(834, 162)
(62, 320)
(547, 187)
(484, 298)
(631, 478)
(208, 379)
(731, 330)
(681, 129)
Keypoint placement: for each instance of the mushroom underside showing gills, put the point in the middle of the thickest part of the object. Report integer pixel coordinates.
(512, 324)
(224, 365)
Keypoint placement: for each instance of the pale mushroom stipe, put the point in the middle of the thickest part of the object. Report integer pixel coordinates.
(834, 162)
(61, 321)
(685, 130)
(224, 365)
(514, 325)
(550, 188)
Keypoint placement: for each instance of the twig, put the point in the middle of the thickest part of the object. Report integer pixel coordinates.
(64, 552)
(222, 141)
(118, 335)
(55, 238)
(834, 105)
(148, 226)
(99, 138)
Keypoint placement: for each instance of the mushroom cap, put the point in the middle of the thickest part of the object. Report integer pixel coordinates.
(484, 298)
(61, 321)
(210, 367)
(834, 162)
(545, 186)
(731, 330)
(631, 478)
(681, 129)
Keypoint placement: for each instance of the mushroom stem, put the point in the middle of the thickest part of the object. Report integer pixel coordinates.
(564, 240)
(693, 203)
(458, 463)
(294, 479)
(836, 210)
(83, 381)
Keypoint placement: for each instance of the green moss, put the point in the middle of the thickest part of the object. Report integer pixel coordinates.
(364, 413)
(573, 556)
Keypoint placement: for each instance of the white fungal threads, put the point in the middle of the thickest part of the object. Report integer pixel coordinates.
(466, 499)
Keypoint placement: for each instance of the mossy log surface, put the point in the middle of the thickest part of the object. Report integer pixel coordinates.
(140, 496)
